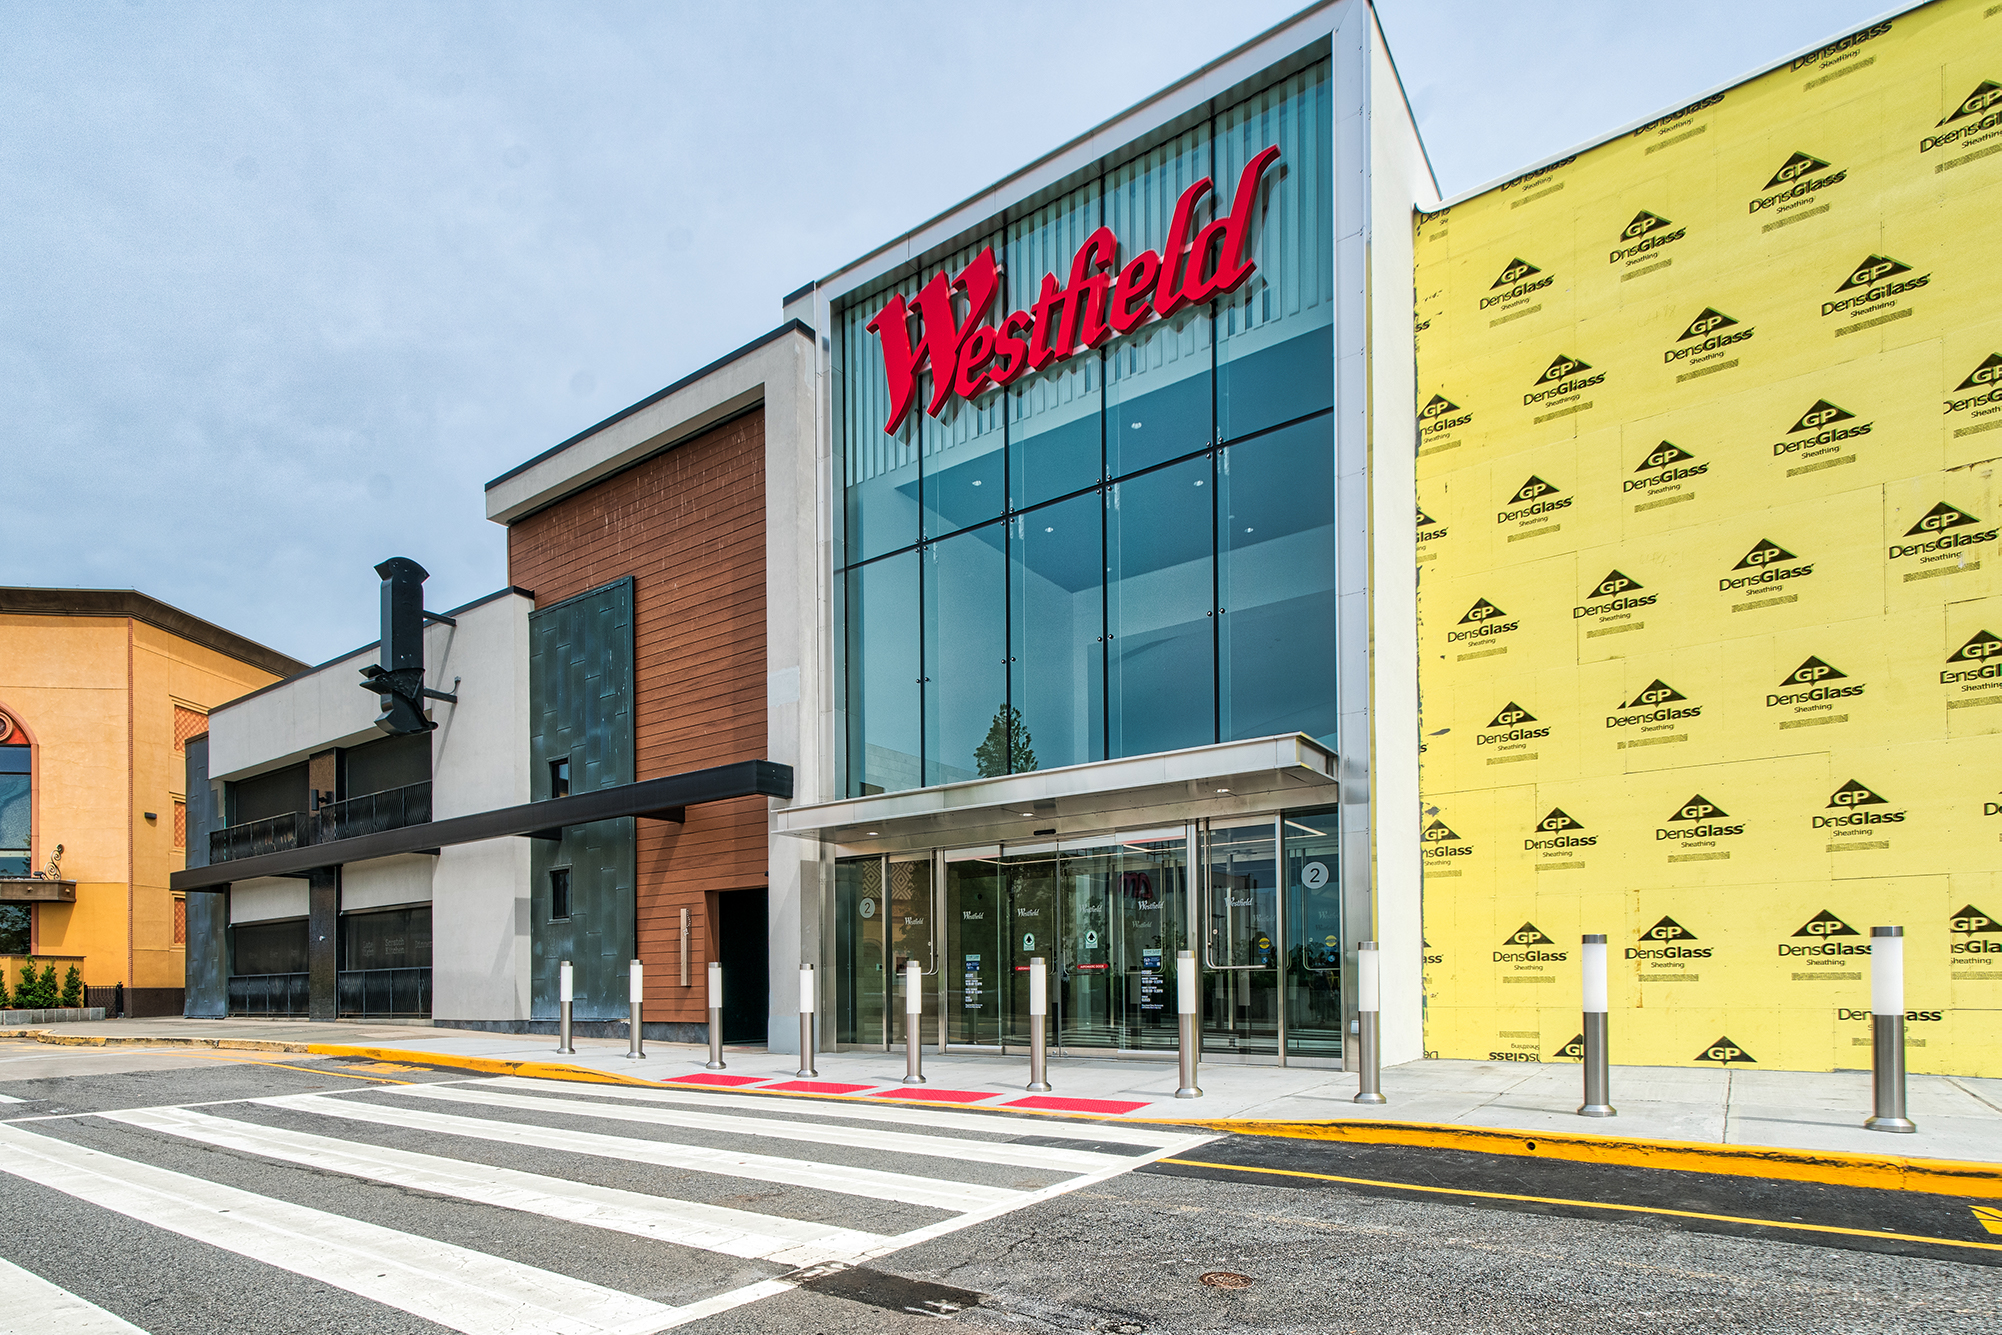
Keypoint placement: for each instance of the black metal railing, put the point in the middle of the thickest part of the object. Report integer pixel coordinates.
(270, 994)
(384, 993)
(276, 834)
(112, 998)
(371, 813)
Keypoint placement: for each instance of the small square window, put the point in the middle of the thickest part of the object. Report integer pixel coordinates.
(559, 893)
(559, 777)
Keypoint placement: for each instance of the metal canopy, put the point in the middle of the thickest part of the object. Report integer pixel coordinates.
(1228, 777)
(661, 799)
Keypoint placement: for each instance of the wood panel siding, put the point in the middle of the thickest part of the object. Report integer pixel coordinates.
(689, 527)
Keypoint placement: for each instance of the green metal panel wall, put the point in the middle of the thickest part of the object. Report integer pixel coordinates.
(581, 708)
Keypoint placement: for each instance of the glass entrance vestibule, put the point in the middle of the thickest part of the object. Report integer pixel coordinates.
(1107, 914)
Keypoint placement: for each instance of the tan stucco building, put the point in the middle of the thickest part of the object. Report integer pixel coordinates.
(99, 691)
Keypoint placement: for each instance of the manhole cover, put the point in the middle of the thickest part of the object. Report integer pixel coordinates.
(1226, 1279)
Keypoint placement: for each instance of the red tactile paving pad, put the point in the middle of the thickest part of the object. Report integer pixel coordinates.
(936, 1095)
(816, 1087)
(1048, 1104)
(710, 1078)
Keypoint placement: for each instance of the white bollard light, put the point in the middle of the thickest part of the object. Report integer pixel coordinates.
(1592, 979)
(1185, 1018)
(715, 1062)
(1039, 1011)
(635, 997)
(914, 1014)
(1887, 1031)
(806, 991)
(566, 992)
(1369, 1003)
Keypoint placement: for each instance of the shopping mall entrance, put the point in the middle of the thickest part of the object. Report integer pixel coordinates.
(1107, 914)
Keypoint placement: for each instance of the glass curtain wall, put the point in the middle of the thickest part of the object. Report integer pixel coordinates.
(1131, 551)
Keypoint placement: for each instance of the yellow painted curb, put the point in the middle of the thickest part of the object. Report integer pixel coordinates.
(483, 1065)
(1942, 1177)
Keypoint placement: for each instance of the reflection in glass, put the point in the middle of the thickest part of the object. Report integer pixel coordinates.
(1055, 605)
(966, 650)
(1054, 432)
(1241, 910)
(1160, 668)
(1313, 933)
(1275, 352)
(883, 668)
(1157, 381)
(1276, 582)
(1029, 887)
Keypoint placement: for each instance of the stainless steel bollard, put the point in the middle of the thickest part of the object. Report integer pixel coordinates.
(806, 990)
(1039, 1012)
(1592, 963)
(715, 1017)
(1887, 1031)
(684, 947)
(1185, 1008)
(635, 996)
(565, 992)
(1369, 1001)
(914, 1014)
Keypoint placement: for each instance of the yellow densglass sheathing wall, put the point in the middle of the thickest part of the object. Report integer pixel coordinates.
(1709, 630)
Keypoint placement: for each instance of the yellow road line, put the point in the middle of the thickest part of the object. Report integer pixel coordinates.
(1943, 1177)
(1593, 1205)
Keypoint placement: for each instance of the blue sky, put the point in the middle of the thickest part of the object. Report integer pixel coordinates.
(285, 285)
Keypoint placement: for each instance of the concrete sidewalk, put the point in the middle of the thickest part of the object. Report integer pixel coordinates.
(1958, 1117)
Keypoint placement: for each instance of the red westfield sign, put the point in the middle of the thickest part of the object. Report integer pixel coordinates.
(968, 356)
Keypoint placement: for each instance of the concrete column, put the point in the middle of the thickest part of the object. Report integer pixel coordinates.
(323, 922)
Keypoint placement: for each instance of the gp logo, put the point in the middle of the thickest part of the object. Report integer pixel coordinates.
(1854, 794)
(1517, 269)
(1971, 920)
(1662, 456)
(1668, 929)
(1724, 1052)
(1810, 672)
(1765, 554)
(1508, 718)
(1654, 695)
(1979, 649)
(1697, 811)
(1562, 367)
(1575, 1049)
(1438, 407)
(1643, 223)
(1819, 417)
(1871, 270)
(1557, 822)
(1615, 584)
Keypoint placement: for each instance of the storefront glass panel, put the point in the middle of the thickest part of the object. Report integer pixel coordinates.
(1055, 436)
(879, 470)
(885, 705)
(1313, 933)
(1160, 649)
(1275, 352)
(966, 651)
(911, 937)
(1056, 668)
(964, 448)
(976, 925)
(859, 918)
(1241, 919)
(1157, 382)
(1276, 583)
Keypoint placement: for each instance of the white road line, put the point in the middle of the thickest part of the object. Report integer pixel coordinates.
(30, 1305)
(712, 1228)
(888, 1110)
(890, 1142)
(458, 1288)
(9, 1098)
(937, 1193)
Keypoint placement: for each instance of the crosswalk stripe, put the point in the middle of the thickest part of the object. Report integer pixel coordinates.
(936, 1193)
(892, 1142)
(33, 1306)
(9, 1098)
(455, 1287)
(1106, 1133)
(711, 1228)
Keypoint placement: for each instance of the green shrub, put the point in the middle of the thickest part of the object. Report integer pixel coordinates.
(46, 991)
(5, 1004)
(72, 987)
(26, 992)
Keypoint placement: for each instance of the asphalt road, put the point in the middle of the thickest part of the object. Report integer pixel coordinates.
(394, 1198)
